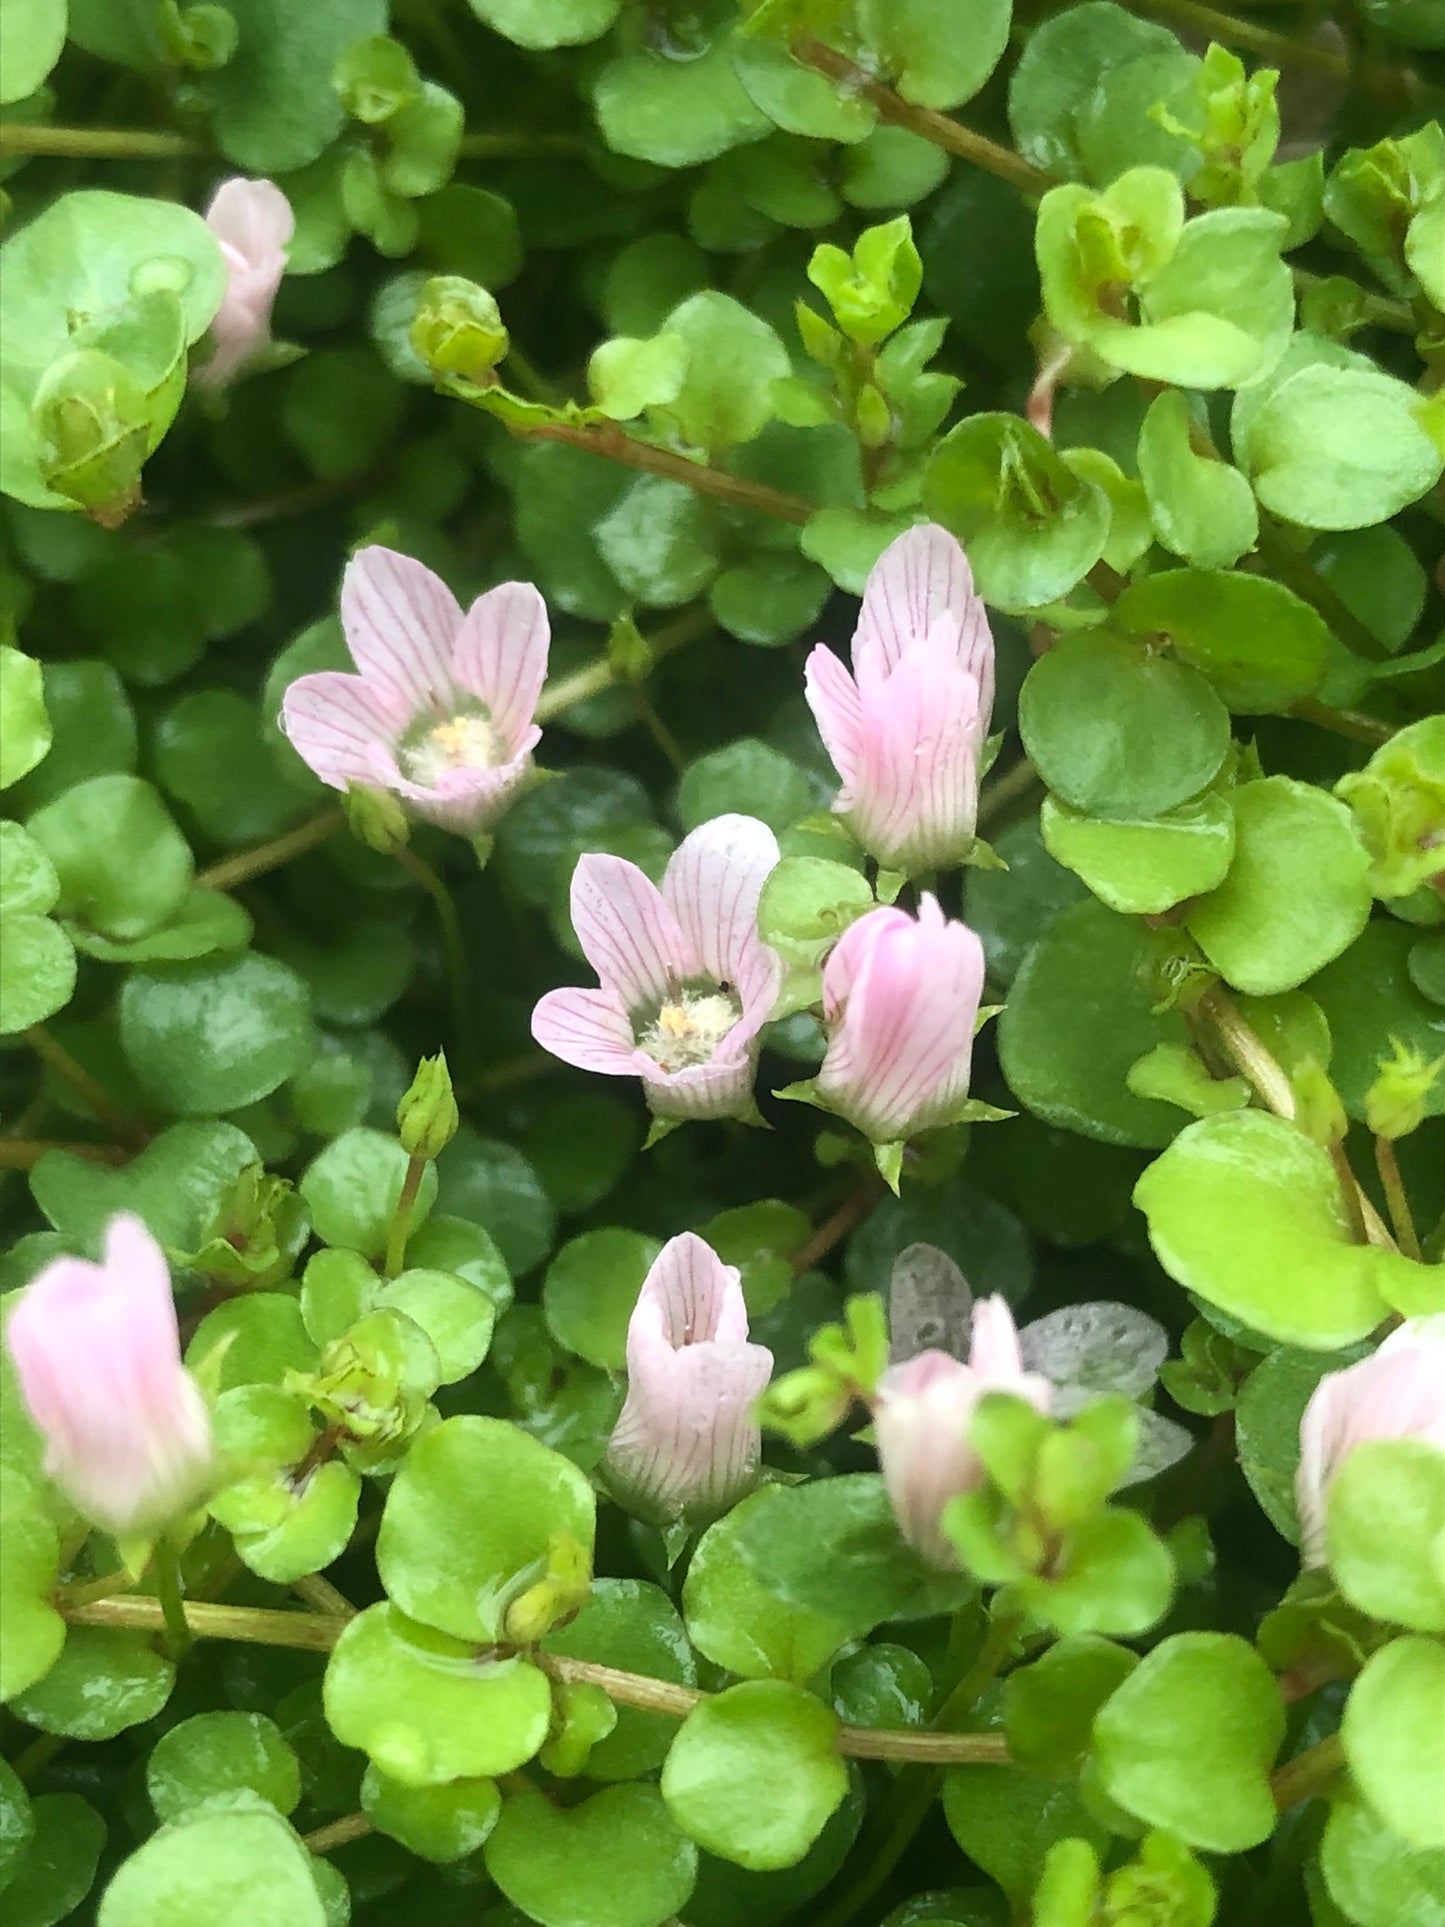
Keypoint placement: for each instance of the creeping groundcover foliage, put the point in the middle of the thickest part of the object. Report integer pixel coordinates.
(722, 963)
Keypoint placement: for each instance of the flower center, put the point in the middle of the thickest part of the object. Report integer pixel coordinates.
(689, 1027)
(430, 750)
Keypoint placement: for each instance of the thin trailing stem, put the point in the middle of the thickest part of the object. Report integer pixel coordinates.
(1295, 570)
(96, 143)
(320, 1594)
(246, 864)
(250, 1625)
(170, 1589)
(24, 1153)
(1001, 795)
(1310, 1773)
(1281, 49)
(55, 1057)
(402, 1216)
(834, 1229)
(336, 1833)
(615, 445)
(1353, 723)
(1388, 1166)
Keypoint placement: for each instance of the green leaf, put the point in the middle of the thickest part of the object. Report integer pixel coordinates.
(1375, 1877)
(1339, 448)
(738, 1621)
(754, 1773)
(934, 56)
(1371, 1000)
(659, 542)
(440, 1823)
(17, 1821)
(37, 970)
(1115, 1577)
(25, 731)
(1395, 1740)
(1118, 733)
(206, 922)
(352, 1187)
(1049, 1706)
(544, 24)
(1165, 1755)
(59, 1866)
(1259, 644)
(246, 1864)
(176, 1184)
(475, 1509)
(426, 1708)
(124, 867)
(674, 112)
(769, 599)
(209, 756)
(1297, 893)
(1246, 1210)
(1080, 1015)
(1267, 1419)
(284, 1530)
(591, 1289)
(797, 98)
(1202, 509)
(747, 775)
(273, 104)
(1142, 869)
(32, 1632)
(733, 358)
(635, 1626)
(103, 1682)
(221, 1753)
(208, 1037)
(32, 33)
(1007, 1817)
(1386, 1529)
(616, 1860)
(1032, 528)
(1061, 66)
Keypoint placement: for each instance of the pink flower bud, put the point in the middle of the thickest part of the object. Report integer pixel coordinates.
(253, 222)
(686, 1441)
(127, 1434)
(1396, 1393)
(440, 714)
(900, 1001)
(922, 1416)
(906, 730)
(686, 981)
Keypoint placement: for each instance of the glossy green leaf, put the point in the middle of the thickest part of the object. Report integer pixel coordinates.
(629, 1624)
(616, 1860)
(442, 1823)
(1006, 1819)
(735, 1620)
(219, 1753)
(1394, 1741)
(103, 1682)
(25, 730)
(124, 867)
(352, 1187)
(60, 1863)
(1142, 869)
(214, 1864)
(1063, 62)
(933, 56)
(1373, 1001)
(590, 1290)
(547, 23)
(1386, 1527)
(209, 1037)
(32, 1632)
(1258, 643)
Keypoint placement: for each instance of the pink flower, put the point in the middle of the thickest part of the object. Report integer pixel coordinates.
(906, 730)
(441, 713)
(900, 1001)
(1396, 1393)
(686, 982)
(253, 222)
(922, 1416)
(686, 1441)
(127, 1434)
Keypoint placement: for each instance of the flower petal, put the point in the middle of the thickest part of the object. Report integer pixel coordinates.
(253, 217)
(688, 1296)
(723, 1088)
(712, 886)
(920, 579)
(628, 934)
(914, 796)
(837, 709)
(501, 655)
(467, 800)
(342, 728)
(401, 624)
(587, 1028)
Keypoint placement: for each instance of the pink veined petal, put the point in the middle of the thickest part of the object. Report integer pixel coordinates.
(501, 655)
(686, 1438)
(994, 1351)
(342, 728)
(627, 931)
(838, 711)
(688, 1297)
(401, 623)
(850, 958)
(467, 800)
(921, 1420)
(915, 790)
(921, 578)
(712, 885)
(253, 217)
(719, 1089)
(587, 1028)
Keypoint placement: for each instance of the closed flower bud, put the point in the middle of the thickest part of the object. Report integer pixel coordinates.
(687, 1443)
(92, 432)
(900, 1002)
(254, 224)
(427, 1117)
(127, 1434)
(1395, 1102)
(458, 328)
(1396, 1393)
(922, 1418)
(376, 819)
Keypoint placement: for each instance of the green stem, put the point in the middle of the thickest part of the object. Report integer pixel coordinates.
(95, 143)
(246, 864)
(322, 1596)
(336, 1833)
(833, 1230)
(452, 946)
(1353, 723)
(24, 1153)
(1003, 793)
(608, 440)
(596, 676)
(170, 1589)
(519, 147)
(401, 1217)
(251, 1625)
(1302, 1778)
(55, 1057)
(105, 1587)
(37, 1756)
(1388, 1165)
(1279, 48)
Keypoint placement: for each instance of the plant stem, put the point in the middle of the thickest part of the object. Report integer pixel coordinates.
(95, 143)
(55, 1057)
(246, 864)
(166, 1566)
(608, 440)
(1302, 1778)
(336, 1833)
(1353, 723)
(1388, 1166)
(601, 674)
(1003, 792)
(1279, 48)
(24, 1153)
(941, 129)
(105, 1587)
(833, 1230)
(401, 1217)
(452, 946)
(504, 146)
(321, 1595)
(318, 1632)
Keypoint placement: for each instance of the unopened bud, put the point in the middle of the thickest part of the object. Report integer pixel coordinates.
(377, 818)
(375, 78)
(91, 420)
(458, 328)
(557, 1594)
(1395, 1102)
(427, 1117)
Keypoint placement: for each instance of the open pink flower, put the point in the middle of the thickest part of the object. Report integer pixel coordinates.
(900, 1002)
(127, 1434)
(906, 730)
(254, 224)
(922, 1416)
(686, 982)
(686, 1441)
(1396, 1393)
(441, 712)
